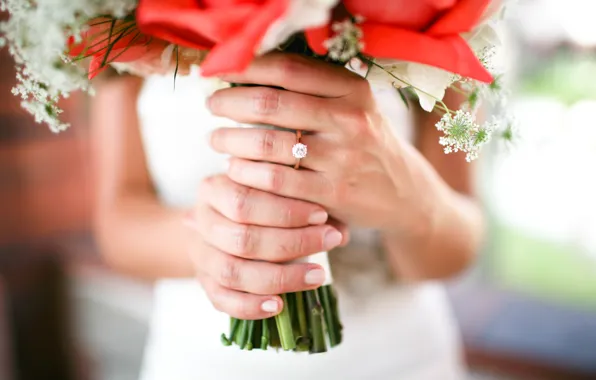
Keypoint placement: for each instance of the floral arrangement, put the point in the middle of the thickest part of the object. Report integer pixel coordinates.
(420, 48)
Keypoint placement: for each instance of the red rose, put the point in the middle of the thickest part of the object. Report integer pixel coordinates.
(422, 31)
(127, 44)
(231, 29)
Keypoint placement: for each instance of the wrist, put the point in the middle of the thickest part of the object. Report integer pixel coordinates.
(442, 241)
(420, 214)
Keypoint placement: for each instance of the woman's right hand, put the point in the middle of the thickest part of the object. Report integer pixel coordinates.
(245, 239)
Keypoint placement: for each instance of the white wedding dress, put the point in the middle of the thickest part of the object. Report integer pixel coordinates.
(390, 331)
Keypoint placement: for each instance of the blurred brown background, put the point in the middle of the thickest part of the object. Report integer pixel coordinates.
(45, 211)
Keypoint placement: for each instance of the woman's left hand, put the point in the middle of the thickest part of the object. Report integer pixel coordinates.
(356, 168)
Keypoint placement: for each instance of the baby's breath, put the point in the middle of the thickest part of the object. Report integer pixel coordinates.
(345, 44)
(462, 133)
(486, 56)
(37, 34)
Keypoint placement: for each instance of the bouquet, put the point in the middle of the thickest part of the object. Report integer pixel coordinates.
(420, 48)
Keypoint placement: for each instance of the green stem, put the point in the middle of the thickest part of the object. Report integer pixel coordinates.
(301, 314)
(328, 315)
(257, 333)
(334, 307)
(284, 326)
(316, 322)
(274, 335)
(264, 334)
(243, 334)
(233, 327)
(458, 90)
(251, 330)
(303, 341)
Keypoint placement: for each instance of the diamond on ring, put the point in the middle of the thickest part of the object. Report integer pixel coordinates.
(299, 150)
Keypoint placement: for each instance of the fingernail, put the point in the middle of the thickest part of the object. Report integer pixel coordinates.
(317, 217)
(314, 277)
(332, 239)
(270, 306)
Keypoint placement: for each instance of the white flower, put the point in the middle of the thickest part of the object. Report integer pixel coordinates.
(462, 133)
(428, 82)
(37, 33)
(387, 73)
(486, 34)
(301, 14)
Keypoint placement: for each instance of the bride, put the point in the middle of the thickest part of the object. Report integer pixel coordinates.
(209, 210)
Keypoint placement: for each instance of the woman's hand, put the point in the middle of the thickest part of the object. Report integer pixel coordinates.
(244, 237)
(355, 168)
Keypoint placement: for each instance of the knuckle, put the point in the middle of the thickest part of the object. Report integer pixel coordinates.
(287, 218)
(266, 101)
(229, 273)
(295, 246)
(266, 143)
(288, 66)
(357, 125)
(361, 123)
(241, 205)
(244, 241)
(277, 280)
(300, 243)
(276, 178)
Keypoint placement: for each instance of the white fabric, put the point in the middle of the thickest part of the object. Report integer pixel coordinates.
(390, 331)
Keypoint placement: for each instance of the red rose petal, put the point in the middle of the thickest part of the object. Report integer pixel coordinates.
(450, 53)
(462, 18)
(316, 38)
(406, 14)
(236, 52)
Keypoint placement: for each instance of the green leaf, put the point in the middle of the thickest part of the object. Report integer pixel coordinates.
(401, 91)
(177, 65)
(110, 45)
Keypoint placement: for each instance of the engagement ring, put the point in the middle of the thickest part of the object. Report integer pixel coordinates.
(299, 150)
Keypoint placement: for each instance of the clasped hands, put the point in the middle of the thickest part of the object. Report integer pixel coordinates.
(263, 213)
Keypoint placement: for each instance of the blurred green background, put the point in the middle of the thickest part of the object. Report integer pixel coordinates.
(541, 191)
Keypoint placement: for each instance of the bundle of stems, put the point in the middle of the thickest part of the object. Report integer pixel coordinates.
(309, 322)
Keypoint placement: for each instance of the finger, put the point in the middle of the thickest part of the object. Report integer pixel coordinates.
(266, 105)
(245, 205)
(298, 73)
(264, 243)
(282, 180)
(260, 277)
(241, 305)
(268, 145)
(343, 229)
